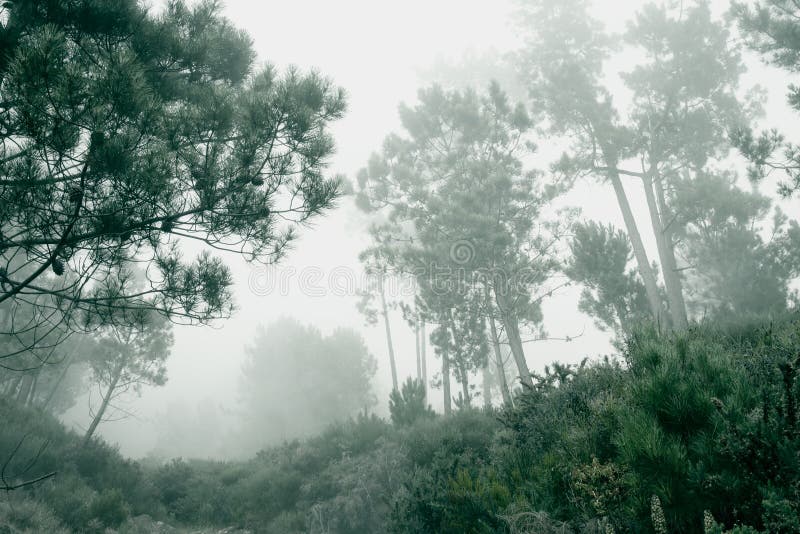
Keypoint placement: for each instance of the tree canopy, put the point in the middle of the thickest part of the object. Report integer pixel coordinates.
(126, 134)
(296, 380)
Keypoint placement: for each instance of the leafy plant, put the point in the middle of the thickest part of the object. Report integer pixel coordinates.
(409, 404)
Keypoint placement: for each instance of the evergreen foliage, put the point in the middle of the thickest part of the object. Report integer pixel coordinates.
(299, 381)
(689, 432)
(407, 405)
(126, 133)
(123, 132)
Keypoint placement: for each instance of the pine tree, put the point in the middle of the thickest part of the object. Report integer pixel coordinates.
(771, 28)
(407, 405)
(684, 101)
(131, 352)
(464, 213)
(123, 133)
(612, 292)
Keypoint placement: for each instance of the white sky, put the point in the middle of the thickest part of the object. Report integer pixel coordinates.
(375, 50)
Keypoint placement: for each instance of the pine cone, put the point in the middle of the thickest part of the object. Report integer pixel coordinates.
(58, 267)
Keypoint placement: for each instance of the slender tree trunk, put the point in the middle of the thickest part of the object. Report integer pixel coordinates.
(5, 321)
(5, 384)
(416, 346)
(98, 417)
(52, 394)
(423, 342)
(385, 310)
(501, 369)
(487, 386)
(464, 384)
(32, 392)
(25, 388)
(645, 269)
(511, 325)
(14, 384)
(515, 342)
(462, 369)
(666, 255)
(670, 264)
(448, 401)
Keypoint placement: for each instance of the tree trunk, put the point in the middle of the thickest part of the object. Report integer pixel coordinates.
(501, 368)
(5, 383)
(385, 310)
(511, 325)
(416, 347)
(464, 385)
(98, 417)
(25, 388)
(14, 383)
(49, 399)
(32, 392)
(672, 281)
(462, 369)
(669, 264)
(448, 401)
(487, 386)
(645, 269)
(515, 342)
(423, 342)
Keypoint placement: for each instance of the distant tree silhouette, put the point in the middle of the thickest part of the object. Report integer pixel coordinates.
(296, 381)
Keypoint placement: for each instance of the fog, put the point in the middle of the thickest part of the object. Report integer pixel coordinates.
(459, 267)
(381, 53)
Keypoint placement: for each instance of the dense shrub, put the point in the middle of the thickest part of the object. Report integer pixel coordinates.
(704, 422)
(409, 404)
(20, 514)
(94, 485)
(696, 432)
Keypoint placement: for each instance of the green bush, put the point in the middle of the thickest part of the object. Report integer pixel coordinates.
(696, 432)
(109, 508)
(20, 514)
(408, 405)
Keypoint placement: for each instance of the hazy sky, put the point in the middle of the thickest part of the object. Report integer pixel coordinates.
(375, 49)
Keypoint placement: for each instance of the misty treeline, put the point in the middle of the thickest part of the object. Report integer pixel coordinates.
(126, 136)
(462, 209)
(139, 149)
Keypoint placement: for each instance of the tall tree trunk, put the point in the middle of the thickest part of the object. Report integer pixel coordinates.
(423, 342)
(487, 386)
(511, 325)
(416, 346)
(501, 368)
(13, 385)
(385, 310)
(645, 269)
(515, 342)
(52, 394)
(462, 371)
(32, 392)
(98, 417)
(671, 264)
(448, 401)
(666, 255)
(25, 387)
(5, 383)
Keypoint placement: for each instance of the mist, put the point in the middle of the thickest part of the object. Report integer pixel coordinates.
(384, 265)
(318, 282)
